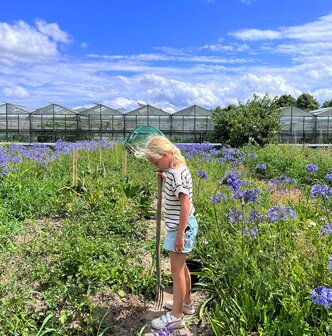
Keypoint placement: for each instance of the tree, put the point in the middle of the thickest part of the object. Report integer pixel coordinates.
(285, 100)
(256, 122)
(307, 102)
(327, 103)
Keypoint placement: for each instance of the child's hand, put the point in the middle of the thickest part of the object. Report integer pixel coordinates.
(179, 243)
(162, 174)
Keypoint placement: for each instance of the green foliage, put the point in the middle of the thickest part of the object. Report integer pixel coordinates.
(285, 100)
(286, 160)
(63, 244)
(74, 241)
(307, 102)
(256, 122)
(327, 103)
(262, 285)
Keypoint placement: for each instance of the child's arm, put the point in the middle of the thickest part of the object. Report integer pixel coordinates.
(184, 215)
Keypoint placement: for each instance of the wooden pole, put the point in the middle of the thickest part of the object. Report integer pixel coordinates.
(124, 162)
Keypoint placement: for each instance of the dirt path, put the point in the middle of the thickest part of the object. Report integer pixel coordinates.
(131, 315)
(193, 325)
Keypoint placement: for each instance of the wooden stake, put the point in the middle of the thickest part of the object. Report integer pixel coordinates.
(74, 167)
(124, 163)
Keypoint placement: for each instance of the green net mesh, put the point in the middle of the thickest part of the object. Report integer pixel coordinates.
(140, 135)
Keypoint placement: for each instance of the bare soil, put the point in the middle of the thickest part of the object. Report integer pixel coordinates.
(131, 315)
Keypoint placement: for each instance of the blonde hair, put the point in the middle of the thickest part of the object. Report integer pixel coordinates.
(157, 145)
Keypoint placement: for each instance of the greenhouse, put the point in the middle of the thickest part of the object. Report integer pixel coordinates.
(147, 115)
(323, 124)
(193, 121)
(101, 120)
(14, 122)
(297, 126)
(53, 122)
(300, 126)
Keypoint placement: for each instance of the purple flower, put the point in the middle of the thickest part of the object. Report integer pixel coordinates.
(233, 182)
(250, 233)
(311, 167)
(330, 263)
(322, 295)
(282, 179)
(325, 229)
(280, 213)
(167, 332)
(318, 190)
(261, 166)
(232, 155)
(42, 154)
(255, 218)
(202, 174)
(235, 216)
(246, 196)
(253, 155)
(217, 198)
(329, 177)
(205, 150)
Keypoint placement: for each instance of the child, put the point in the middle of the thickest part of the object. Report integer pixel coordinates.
(181, 226)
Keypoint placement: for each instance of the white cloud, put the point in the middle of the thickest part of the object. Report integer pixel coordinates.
(21, 42)
(169, 78)
(305, 49)
(170, 88)
(324, 94)
(319, 30)
(15, 92)
(272, 84)
(52, 30)
(141, 60)
(256, 34)
(218, 47)
(121, 103)
(179, 92)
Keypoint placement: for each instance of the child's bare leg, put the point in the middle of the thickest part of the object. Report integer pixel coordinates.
(187, 297)
(178, 266)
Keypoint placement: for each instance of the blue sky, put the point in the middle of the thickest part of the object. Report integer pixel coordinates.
(167, 53)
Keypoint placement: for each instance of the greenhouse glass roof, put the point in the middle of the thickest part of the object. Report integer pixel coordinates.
(8, 108)
(323, 112)
(100, 109)
(293, 111)
(54, 109)
(194, 110)
(147, 110)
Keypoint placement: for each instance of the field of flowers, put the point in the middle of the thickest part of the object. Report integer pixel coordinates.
(74, 222)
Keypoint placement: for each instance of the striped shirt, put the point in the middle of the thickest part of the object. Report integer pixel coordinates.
(177, 181)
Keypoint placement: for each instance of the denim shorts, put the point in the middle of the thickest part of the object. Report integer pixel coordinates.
(189, 236)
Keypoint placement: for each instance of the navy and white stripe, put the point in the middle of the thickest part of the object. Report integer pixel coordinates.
(177, 181)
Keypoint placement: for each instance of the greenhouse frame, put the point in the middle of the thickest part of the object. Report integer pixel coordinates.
(300, 126)
(100, 122)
